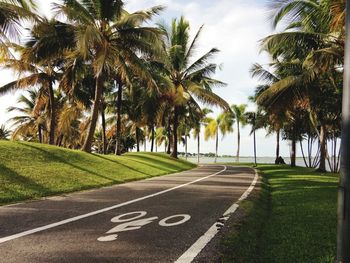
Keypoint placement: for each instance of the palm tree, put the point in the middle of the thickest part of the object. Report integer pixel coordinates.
(314, 38)
(257, 121)
(40, 62)
(30, 121)
(222, 123)
(197, 128)
(12, 12)
(4, 132)
(112, 40)
(161, 137)
(274, 116)
(190, 80)
(239, 116)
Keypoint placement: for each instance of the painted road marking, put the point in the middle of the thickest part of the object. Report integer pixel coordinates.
(198, 246)
(118, 219)
(132, 224)
(184, 219)
(76, 218)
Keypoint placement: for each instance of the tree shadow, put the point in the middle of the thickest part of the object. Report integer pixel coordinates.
(22, 183)
(163, 165)
(116, 162)
(63, 160)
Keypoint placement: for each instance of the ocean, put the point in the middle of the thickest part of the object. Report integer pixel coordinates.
(260, 160)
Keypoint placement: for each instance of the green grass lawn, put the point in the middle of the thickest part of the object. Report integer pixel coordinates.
(30, 170)
(293, 219)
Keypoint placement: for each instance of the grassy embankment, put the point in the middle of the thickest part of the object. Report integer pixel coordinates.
(29, 170)
(292, 219)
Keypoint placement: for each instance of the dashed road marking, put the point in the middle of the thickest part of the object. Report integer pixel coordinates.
(198, 246)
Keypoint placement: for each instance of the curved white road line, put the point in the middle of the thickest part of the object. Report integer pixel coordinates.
(198, 246)
(76, 218)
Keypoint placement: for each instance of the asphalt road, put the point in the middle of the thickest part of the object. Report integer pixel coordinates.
(163, 219)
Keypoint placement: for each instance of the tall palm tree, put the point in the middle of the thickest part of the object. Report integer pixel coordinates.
(191, 79)
(197, 128)
(40, 62)
(315, 38)
(239, 115)
(222, 123)
(112, 40)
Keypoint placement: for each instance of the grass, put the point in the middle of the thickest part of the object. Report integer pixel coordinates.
(30, 170)
(292, 219)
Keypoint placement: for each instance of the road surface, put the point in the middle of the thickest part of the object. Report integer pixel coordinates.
(163, 219)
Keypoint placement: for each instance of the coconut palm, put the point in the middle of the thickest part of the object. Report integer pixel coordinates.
(12, 12)
(162, 138)
(314, 38)
(222, 123)
(40, 62)
(112, 40)
(30, 121)
(197, 128)
(191, 79)
(239, 115)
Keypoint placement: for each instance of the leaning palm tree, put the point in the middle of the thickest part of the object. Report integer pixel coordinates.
(191, 79)
(222, 123)
(239, 116)
(39, 62)
(112, 40)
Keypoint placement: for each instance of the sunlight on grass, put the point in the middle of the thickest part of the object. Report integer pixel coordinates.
(292, 220)
(29, 170)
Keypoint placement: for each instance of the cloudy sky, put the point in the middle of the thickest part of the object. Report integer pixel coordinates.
(233, 26)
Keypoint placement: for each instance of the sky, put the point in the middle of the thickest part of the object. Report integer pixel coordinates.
(233, 26)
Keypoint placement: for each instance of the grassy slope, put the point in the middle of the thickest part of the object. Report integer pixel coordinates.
(29, 170)
(293, 219)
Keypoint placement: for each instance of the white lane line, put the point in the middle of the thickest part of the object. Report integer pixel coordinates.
(201, 242)
(76, 218)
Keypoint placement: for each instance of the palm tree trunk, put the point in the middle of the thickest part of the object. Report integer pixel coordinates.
(40, 136)
(119, 126)
(104, 137)
(302, 152)
(323, 140)
(186, 146)
(255, 163)
(52, 114)
(152, 138)
(137, 140)
(175, 126)
(94, 115)
(293, 153)
(59, 140)
(309, 149)
(198, 147)
(216, 145)
(278, 132)
(168, 151)
(238, 141)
